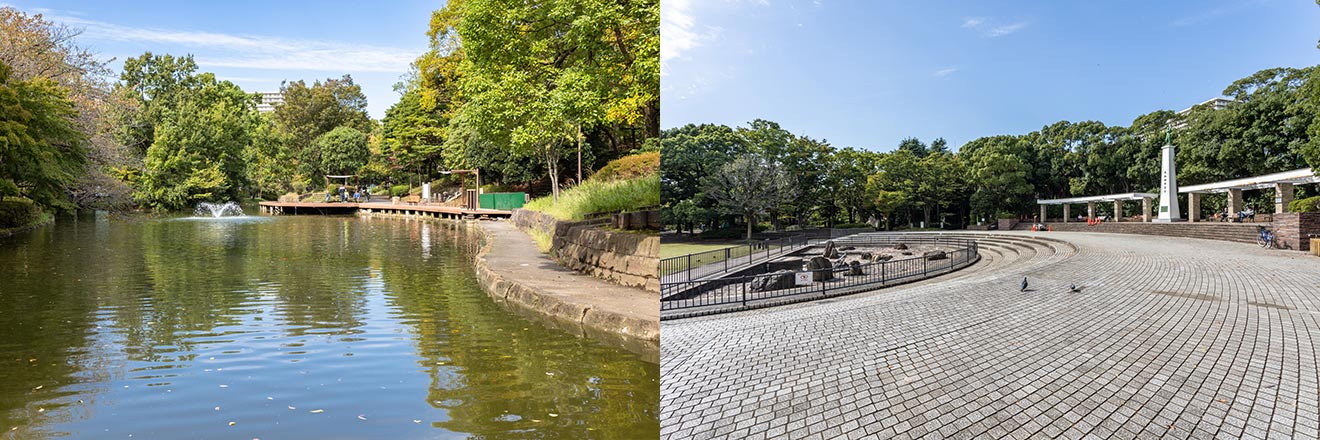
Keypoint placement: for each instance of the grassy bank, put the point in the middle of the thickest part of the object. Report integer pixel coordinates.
(596, 197)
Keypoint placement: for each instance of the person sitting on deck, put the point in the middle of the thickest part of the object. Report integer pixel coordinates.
(1250, 214)
(357, 196)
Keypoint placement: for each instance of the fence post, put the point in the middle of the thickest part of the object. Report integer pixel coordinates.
(744, 295)
(726, 259)
(689, 267)
(924, 268)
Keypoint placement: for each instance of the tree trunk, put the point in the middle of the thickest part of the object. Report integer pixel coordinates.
(579, 145)
(751, 219)
(552, 167)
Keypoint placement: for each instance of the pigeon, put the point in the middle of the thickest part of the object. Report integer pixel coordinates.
(1073, 288)
(1024, 284)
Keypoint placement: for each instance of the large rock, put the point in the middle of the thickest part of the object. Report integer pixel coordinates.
(855, 269)
(935, 255)
(831, 250)
(773, 281)
(882, 257)
(822, 269)
(866, 256)
(900, 246)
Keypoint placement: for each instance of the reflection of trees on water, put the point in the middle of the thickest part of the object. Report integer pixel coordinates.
(498, 375)
(49, 357)
(161, 291)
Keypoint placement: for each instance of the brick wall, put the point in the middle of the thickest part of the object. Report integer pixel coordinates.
(1294, 230)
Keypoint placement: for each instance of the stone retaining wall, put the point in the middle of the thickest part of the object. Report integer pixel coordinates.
(622, 258)
(1235, 232)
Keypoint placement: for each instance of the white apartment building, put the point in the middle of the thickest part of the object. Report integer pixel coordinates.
(269, 100)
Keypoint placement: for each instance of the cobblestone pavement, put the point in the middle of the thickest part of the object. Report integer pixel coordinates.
(1177, 338)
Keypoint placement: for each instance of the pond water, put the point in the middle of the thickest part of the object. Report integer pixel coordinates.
(288, 327)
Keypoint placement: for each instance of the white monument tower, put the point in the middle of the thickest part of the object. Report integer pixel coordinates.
(1168, 184)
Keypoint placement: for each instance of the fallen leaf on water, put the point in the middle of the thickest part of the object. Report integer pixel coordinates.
(41, 410)
(317, 411)
(535, 420)
(38, 387)
(231, 423)
(554, 415)
(361, 417)
(549, 373)
(417, 421)
(217, 408)
(270, 398)
(291, 407)
(224, 386)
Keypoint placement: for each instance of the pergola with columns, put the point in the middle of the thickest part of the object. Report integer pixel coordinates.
(1281, 182)
(1090, 201)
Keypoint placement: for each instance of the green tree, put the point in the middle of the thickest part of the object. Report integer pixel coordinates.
(535, 77)
(41, 149)
(749, 186)
(198, 149)
(414, 136)
(151, 85)
(339, 152)
(914, 146)
(311, 111)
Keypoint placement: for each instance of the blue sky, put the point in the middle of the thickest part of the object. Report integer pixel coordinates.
(868, 74)
(258, 44)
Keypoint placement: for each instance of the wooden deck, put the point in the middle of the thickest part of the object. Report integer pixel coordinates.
(378, 207)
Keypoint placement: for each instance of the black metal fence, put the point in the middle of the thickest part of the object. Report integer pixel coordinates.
(958, 253)
(688, 267)
(702, 264)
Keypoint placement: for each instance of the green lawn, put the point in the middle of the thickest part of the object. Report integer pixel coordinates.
(668, 250)
(680, 249)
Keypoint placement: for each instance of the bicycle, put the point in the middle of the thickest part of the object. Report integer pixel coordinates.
(1266, 238)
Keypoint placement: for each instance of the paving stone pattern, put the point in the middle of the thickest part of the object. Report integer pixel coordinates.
(1169, 338)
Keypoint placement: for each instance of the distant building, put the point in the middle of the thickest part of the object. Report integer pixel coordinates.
(269, 100)
(1214, 103)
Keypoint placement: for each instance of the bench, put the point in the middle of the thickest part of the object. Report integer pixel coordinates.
(412, 200)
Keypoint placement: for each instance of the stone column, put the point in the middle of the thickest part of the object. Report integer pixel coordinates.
(1145, 209)
(1065, 213)
(1090, 210)
(1118, 210)
(1283, 195)
(1234, 201)
(1193, 207)
(1042, 214)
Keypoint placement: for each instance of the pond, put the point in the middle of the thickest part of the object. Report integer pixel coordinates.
(288, 327)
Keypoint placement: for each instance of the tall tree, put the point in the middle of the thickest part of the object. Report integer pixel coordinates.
(40, 146)
(536, 76)
(342, 151)
(749, 186)
(197, 153)
(311, 111)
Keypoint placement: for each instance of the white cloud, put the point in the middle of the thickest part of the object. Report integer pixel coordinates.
(676, 31)
(990, 28)
(257, 51)
(945, 72)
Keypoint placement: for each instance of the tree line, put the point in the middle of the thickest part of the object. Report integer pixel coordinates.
(716, 177)
(520, 93)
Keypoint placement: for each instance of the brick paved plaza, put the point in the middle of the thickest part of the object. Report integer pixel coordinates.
(1169, 337)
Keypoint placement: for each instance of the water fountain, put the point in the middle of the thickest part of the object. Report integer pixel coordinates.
(227, 209)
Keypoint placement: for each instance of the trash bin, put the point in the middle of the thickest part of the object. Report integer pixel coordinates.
(1315, 246)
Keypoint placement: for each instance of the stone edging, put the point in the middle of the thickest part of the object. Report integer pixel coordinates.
(637, 335)
(623, 258)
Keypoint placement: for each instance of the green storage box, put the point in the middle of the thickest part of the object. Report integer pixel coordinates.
(501, 201)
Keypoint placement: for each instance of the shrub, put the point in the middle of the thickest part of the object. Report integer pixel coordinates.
(332, 188)
(1309, 204)
(595, 196)
(18, 212)
(299, 187)
(399, 191)
(630, 167)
